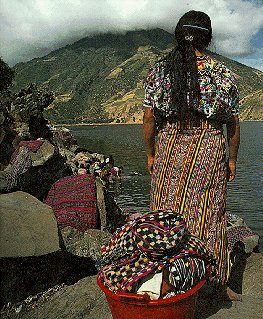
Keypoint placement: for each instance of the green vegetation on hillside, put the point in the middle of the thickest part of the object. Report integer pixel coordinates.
(100, 78)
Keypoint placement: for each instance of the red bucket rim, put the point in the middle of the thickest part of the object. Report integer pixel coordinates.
(117, 296)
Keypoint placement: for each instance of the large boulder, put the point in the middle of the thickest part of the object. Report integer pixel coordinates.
(27, 110)
(239, 232)
(28, 227)
(32, 258)
(85, 244)
(7, 134)
(34, 166)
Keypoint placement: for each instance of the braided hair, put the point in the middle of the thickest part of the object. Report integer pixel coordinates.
(193, 31)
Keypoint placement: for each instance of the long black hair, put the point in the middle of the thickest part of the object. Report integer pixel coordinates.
(193, 31)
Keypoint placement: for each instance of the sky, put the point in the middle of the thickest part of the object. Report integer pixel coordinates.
(33, 28)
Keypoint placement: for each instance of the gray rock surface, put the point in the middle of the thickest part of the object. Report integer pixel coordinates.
(81, 300)
(33, 172)
(7, 134)
(85, 244)
(43, 154)
(253, 276)
(85, 300)
(48, 166)
(28, 227)
(251, 243)
(27, 110)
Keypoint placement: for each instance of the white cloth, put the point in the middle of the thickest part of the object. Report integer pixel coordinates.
(151, 285)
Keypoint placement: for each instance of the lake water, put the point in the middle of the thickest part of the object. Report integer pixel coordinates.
(126, 144)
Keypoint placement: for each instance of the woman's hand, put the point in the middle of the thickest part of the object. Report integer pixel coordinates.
(150, 163)
(233, 138)
(149, 136)
(231, 170)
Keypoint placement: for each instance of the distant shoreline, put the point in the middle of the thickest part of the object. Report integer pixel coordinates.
(114, 123)
(96, 124)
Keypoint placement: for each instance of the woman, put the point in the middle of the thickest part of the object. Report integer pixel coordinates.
(188, 98)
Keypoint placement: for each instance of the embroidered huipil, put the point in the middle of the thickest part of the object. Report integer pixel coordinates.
(219, 95)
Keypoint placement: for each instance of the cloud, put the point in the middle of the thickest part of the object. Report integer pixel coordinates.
(255, 60)
(31, 28)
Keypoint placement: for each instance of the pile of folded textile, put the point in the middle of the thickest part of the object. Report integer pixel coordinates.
(147, 246)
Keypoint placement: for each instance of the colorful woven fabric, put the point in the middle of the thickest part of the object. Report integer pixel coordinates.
(185, 273)
(20, 163)
(219, 94)
(189, 178)
(144, 246)
(73, 199)
(236, 234)
(31, 146)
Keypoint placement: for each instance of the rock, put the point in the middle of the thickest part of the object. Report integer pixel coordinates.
(85, 300)
(70, 237)
(69, 160)
(43, 154)
(7, 134)
(238, 231)
(249, 308)
(47, 167)
(87, 244)
(253, 278)
(32, 255)
(251, 243)
(27, 278)
(27, 110)
(101, 189)
(28, 227)
(63, 138)
(81, 300)
(252, 296)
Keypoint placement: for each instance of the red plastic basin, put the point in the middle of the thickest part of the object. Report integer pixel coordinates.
(135, 306)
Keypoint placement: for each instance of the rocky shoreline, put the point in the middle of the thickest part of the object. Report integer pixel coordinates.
(126, 123)
(37, 251)
(48, 266)
(85, 300)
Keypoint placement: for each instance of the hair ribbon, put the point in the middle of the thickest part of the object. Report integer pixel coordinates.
(195, 27)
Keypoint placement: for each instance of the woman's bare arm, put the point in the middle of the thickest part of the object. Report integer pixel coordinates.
(149, 136)
(233, 138)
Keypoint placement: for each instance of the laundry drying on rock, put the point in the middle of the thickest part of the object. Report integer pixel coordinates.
(239, 232)
(97, 165)
(21, 160)
(73, 199)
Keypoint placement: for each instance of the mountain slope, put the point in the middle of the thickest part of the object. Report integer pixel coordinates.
(100, 78)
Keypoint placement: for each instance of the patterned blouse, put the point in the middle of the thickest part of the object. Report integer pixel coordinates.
(219, 94)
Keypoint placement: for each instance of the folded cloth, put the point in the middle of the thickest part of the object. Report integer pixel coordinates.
(29, 146)
(185, 273)
(74, 201)
(145, 246)
(151, 285)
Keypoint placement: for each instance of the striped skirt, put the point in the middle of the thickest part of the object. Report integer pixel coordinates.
(189, 177)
